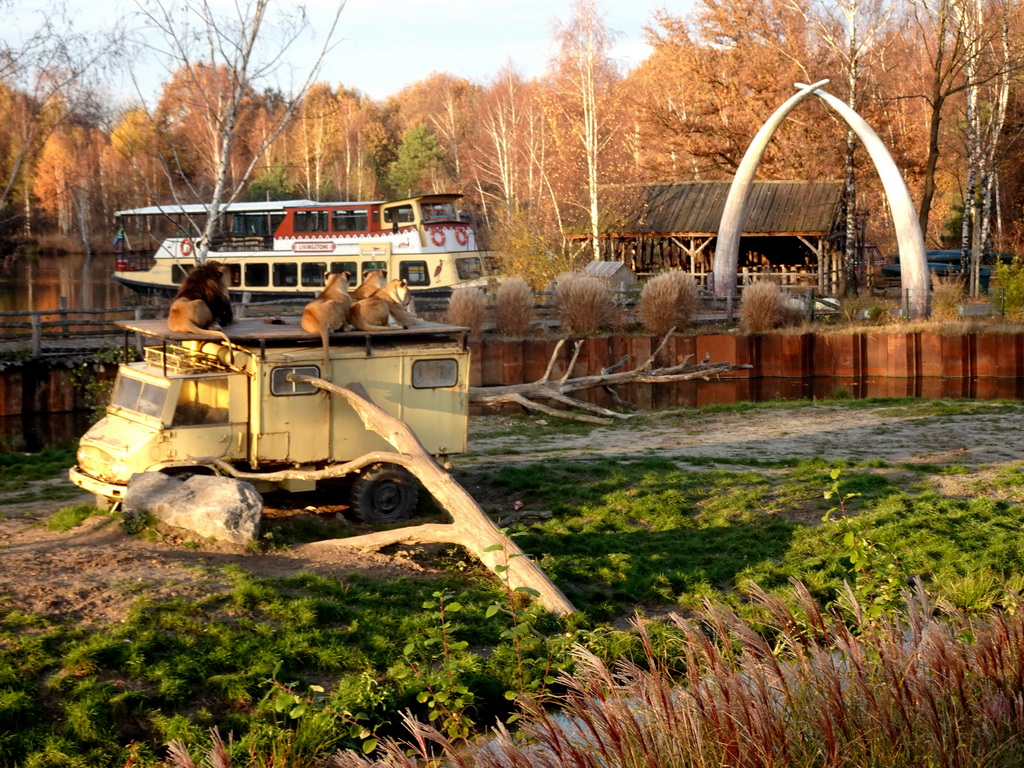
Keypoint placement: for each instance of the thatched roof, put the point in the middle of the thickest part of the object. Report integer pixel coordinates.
(692, 208)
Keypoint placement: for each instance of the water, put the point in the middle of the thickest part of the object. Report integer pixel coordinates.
(38, 283)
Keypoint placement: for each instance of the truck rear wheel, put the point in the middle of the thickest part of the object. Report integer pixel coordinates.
(384, 493)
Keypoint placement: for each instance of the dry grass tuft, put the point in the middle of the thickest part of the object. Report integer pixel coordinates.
(513, 307)
(668, 300)
(766, 306)
(467, 307)
(947, 295)
(583, 303)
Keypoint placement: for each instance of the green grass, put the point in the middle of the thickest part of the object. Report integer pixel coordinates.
(20, 467)
(627, 533)
(70, 517)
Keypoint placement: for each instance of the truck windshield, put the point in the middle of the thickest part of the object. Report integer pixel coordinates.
(139, 396)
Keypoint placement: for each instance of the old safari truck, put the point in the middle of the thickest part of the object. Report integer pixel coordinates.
(192, 398)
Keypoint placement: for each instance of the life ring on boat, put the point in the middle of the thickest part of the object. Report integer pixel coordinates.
(437, 236)
(185, 246)
(461, 236)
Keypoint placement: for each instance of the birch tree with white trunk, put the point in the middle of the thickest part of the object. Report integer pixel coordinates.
(245, 48)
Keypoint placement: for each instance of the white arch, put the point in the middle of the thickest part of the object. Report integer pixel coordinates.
(914, 267)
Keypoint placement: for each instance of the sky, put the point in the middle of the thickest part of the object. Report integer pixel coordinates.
(388, 44)
(385, 45)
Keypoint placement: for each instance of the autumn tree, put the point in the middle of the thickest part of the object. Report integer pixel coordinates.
(47, 74)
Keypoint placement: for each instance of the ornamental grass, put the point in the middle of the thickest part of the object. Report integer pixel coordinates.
(804, 687)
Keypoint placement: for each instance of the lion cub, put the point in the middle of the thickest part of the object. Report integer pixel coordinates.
(393, 301)
(328, 312)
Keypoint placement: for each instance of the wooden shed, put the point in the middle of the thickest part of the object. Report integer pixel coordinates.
(791, 229)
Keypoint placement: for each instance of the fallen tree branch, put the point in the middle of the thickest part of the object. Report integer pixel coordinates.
(470, 527)
(527, 395)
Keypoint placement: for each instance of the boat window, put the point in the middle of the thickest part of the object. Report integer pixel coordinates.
(249, 224)
(346, 220)
(371, 266)
(202, 401)
(280, 385)
(414, 272)
(313, 273)
(286, 274)
(257, 275)
(139, 396)
(179, 273)
(438, 212)
(345, 266)
(311, 221)
(234, 275)
(469, 268)
(400, 214)
(433, 374)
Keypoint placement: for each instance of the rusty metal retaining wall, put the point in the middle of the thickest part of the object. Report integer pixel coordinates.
(985, 365)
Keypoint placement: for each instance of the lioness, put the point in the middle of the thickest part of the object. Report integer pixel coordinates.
(393, 301)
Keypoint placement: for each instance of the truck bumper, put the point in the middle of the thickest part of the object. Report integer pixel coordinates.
(90, 484)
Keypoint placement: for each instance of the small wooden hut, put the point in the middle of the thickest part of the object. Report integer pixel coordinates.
(792, 230)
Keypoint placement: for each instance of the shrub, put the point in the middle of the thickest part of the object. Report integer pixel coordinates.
(583, 303)
(668, 301)
(1010, 278)
(513, 307)
(764, 307)
(467, 307)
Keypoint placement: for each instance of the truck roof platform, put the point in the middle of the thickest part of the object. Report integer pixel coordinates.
(260, 331)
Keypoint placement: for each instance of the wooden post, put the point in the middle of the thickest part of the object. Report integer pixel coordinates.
(62, 304)
(37, 336)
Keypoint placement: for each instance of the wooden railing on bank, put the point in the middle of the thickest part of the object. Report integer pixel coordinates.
(31, 328)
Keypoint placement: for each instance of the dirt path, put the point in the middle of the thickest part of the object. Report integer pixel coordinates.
(94, 572)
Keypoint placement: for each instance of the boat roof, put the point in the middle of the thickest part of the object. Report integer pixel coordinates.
(202, 208)
(269, 206)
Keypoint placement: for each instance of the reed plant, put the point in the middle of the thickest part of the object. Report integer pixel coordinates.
(513, 307)
(765, 307)
(947, 295)
(668, 300)
(584, 303)
(467, 308)
(800, 687)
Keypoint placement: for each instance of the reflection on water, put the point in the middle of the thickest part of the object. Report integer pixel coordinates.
(39, 282)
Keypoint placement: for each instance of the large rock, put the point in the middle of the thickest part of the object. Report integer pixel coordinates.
(215, 507)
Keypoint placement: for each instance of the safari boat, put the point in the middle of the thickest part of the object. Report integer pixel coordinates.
(280, 250)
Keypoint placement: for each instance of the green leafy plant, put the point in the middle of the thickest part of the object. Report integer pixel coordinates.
(879, 578)
(537, 657)
(1010, 278)
(439, 665)
(98, 389)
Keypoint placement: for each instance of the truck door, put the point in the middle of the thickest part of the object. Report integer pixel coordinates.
(209, 418)
(291, 420)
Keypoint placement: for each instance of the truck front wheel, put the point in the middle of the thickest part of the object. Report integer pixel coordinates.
(384, 493)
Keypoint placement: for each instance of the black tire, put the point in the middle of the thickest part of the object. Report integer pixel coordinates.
(384, 493)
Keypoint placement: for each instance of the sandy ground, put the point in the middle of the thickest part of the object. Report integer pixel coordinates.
(92, 573)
